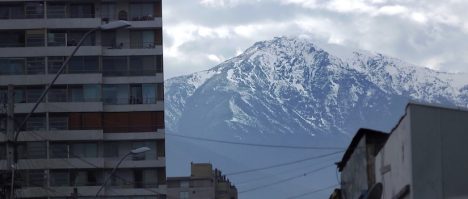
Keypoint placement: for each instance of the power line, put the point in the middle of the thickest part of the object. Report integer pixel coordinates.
(282, 164)
(287, 171)
(312, 192)
(254, 144)
(285, 180)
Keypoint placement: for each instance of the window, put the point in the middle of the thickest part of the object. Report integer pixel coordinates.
(35, 38)
(184, 195)
(58, 121)
(59, 178)
(35, 178)
(12, 39)
(160, 91)
(83, 150)
(36, 123)
(85, 121)
(132, 122)
(83, 64)
(56, 38)
(73, 37)
(109, 39)
(12, 66)
(82, 10)
(114, 66)
(34, 10)
(149, 93)
(91, 92)
(141, 11)
(58, 150)
(58, 94)
(142, 65)
(54, 64)
(83, 178)
(159, 63)
(11, 11)
(115, 94)
(56, 10)
(184, 184)
(32, 150)
(35, 65)
(142, 39)
(135, 94)
(108, 11)
(111, 149)
(33, 93)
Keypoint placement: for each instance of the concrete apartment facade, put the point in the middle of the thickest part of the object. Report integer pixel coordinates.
(108, 100)
(203, 183)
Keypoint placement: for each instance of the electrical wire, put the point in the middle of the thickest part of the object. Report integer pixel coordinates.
(282, 172)
(254, 144)
(282, 164)
(286, 179)
(312, 192)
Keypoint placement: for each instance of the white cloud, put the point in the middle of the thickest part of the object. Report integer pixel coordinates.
(202, 33)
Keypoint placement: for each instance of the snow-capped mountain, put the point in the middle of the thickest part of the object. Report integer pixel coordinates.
(291, 86)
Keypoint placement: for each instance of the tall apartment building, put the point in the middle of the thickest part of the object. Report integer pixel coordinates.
(108, 100)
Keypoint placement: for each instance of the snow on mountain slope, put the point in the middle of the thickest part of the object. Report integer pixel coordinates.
(291, 86)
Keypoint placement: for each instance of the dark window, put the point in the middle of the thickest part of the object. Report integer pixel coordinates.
(32, 150)
(11, 11)
(135, 94)
(159, 63)
(59, 150)
(141, 11)
(35, 65)
(73, 37)
(115, 94)
(114, 66)
(56, 38)
(160, 91)
(12, 66)
(59, 178)
(109, 39)
(82, 10)
(115, 122)
(143, 65)
(35, 38)
(56, 10)
(34, 10)
(58, 94)
(58, 121)
(12, 39)
(54, 64)
(84, 64)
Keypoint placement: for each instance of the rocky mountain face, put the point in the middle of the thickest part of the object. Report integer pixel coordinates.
(290, 86)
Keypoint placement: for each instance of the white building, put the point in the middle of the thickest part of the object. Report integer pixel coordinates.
(426, 155)
(109, 99)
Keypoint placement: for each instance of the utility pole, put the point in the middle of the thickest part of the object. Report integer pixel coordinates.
(10, 136)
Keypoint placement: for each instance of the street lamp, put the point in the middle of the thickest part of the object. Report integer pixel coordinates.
(14, 135)
(132, 152)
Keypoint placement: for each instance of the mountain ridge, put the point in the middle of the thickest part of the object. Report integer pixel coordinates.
(292, 86)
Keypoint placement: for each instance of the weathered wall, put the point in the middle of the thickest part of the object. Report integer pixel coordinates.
(393, 162)
(354, 174)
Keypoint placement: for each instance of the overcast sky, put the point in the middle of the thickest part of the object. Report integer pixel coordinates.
(199, 34)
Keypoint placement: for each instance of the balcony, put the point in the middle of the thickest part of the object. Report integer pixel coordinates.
(60, 107)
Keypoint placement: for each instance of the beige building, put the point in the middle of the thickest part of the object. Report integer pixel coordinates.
(203, 183)
(108, 101)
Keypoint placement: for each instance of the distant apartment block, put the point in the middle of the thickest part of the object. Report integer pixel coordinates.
(109, 99)
(423, 157)
(203, 183)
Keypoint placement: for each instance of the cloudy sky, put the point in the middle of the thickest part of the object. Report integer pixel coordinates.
(200, 34)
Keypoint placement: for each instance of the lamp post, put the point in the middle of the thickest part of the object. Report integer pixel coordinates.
(132, 152)
(13, 135)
